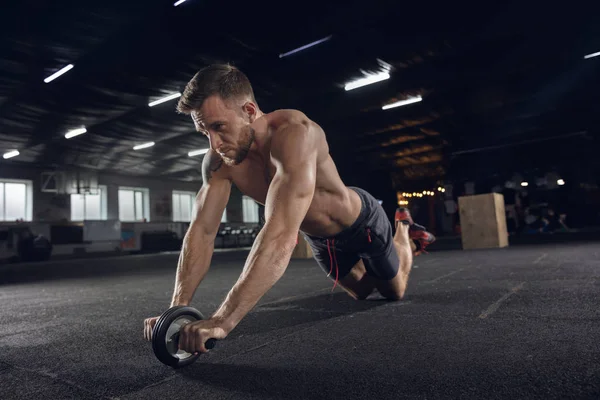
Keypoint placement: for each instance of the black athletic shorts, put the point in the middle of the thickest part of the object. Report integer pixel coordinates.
(369, 238)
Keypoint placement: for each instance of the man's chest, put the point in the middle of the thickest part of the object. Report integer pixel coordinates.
(254, 178)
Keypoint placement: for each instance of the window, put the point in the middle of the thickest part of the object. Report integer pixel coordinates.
(224, 216)
(134, 204)
(250, 209)
(15, 200)
(89, 206)
(183, 207)
(183, 204)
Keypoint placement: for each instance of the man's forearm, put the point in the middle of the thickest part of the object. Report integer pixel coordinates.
(194, 262)
(265, 265)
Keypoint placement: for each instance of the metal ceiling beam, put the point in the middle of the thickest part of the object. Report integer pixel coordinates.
(406, 147)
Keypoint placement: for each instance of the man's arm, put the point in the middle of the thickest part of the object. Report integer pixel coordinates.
(294, 152)
(198, 243)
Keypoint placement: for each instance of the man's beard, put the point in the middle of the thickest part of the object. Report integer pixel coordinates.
(242, 150)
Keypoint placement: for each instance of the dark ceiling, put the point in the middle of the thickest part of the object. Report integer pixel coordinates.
(504, 88)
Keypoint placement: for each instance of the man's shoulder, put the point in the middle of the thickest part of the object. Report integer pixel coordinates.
(282, 117)
(213, 165)
(293, 135)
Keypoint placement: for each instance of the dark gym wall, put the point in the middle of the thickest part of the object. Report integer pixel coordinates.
(379, 185)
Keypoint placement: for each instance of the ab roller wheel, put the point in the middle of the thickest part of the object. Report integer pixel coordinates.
(165, 336)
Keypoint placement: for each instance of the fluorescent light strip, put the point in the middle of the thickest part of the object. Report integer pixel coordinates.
(368, 80)
(164, 99)
(75, 132)
(58, 73)
(197, 152)
(11, 154)
(143, 146)
(306, 46)
(402, 103)
(178, 3)
(524, 184)
(592, 55)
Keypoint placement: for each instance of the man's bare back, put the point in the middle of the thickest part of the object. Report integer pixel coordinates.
(333, 207)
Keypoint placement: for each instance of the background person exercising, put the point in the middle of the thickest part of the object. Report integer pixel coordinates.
(281, 160)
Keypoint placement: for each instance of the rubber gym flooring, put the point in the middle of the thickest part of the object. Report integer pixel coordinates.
(515, 323)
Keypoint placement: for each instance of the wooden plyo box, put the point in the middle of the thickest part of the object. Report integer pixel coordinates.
(302, 249)
(483, 221)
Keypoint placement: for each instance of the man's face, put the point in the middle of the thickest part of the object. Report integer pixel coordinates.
(227, 126)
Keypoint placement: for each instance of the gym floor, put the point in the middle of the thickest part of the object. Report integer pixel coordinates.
(521, 322)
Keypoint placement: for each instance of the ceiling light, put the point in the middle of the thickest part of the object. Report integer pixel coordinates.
(592, 55)
(164, 99)
(178, 3)
(11, 154)
(306, 46)
(58, 73)
(367, 80)
(143, 146)
(560, 182)
(402, 102)
(75, 132)
(197, 152)
(524, 184)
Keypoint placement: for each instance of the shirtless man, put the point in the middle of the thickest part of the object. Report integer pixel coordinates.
(281, 160)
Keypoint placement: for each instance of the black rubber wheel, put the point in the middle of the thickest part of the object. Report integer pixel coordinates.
(165, 336)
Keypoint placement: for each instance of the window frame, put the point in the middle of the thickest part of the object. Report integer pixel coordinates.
(103, 189)
(180, 193)
(145, 203)
(28, 199)
(248, 199)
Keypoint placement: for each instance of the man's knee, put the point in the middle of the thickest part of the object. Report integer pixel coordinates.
(361, 293)
(394, 295)
(361, 296)
(395, 292)
(394, 288)
(390, 291)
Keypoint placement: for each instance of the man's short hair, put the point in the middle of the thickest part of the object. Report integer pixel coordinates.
(219, 79)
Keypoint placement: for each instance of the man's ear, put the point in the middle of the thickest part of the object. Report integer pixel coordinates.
(251, 110)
